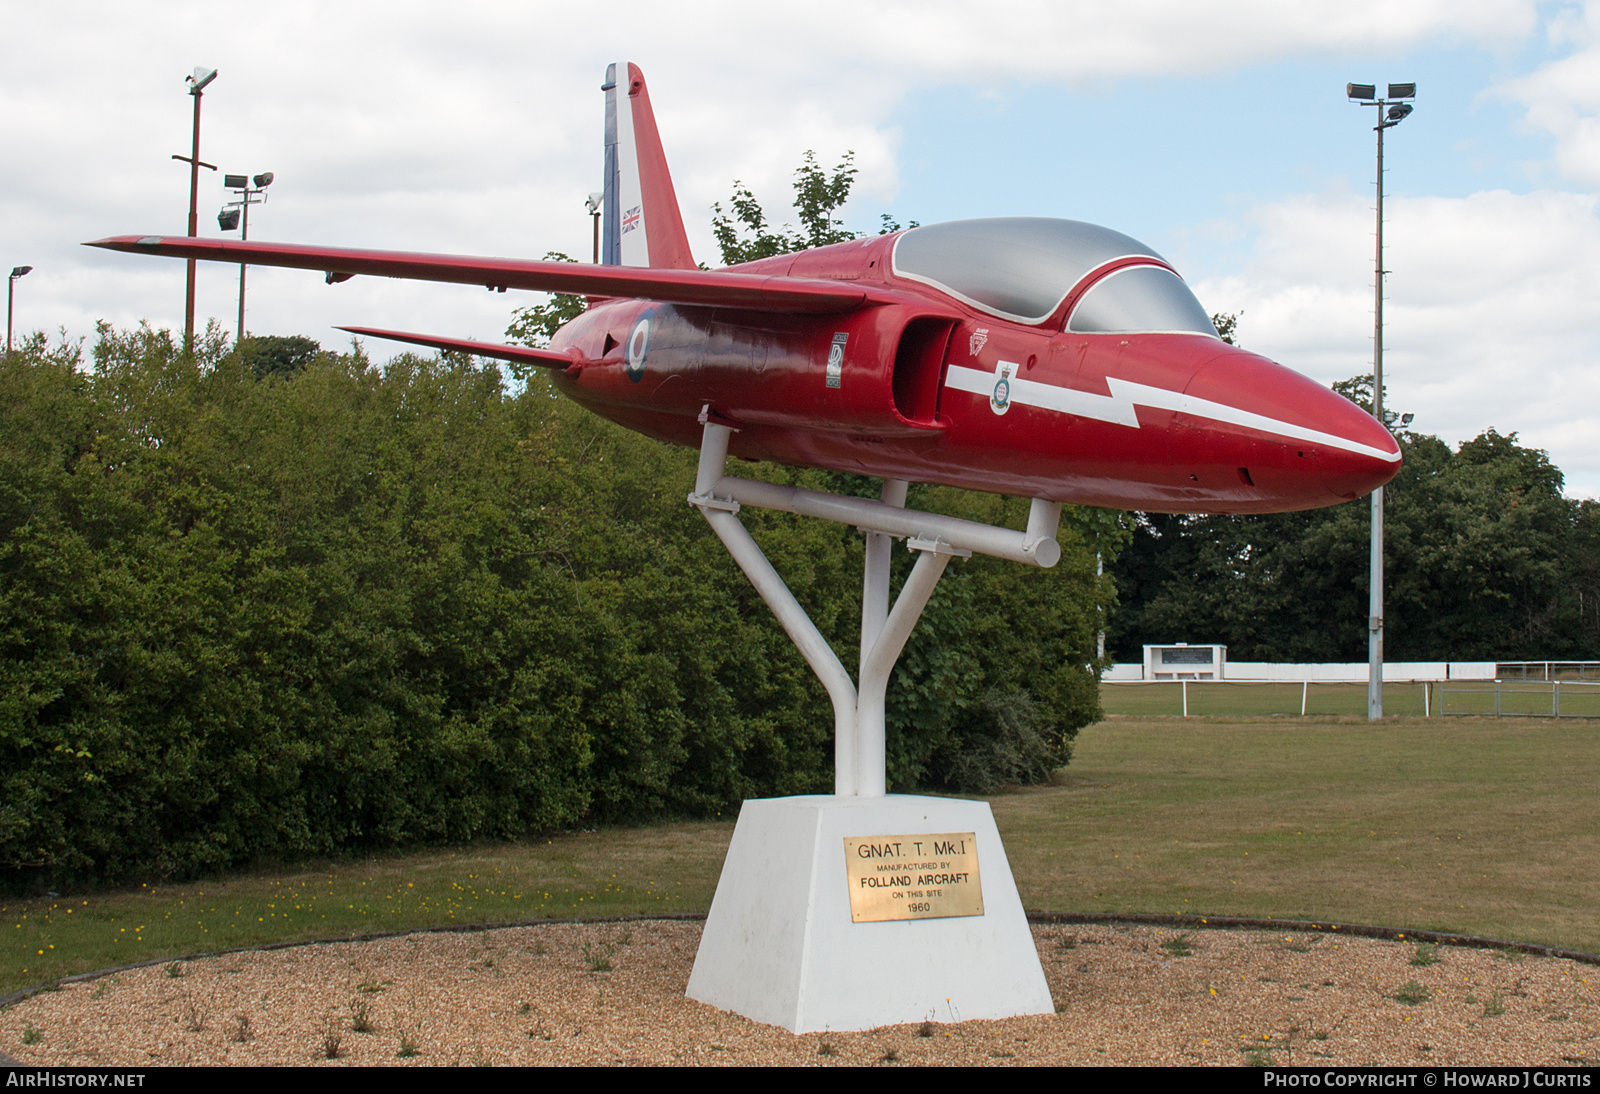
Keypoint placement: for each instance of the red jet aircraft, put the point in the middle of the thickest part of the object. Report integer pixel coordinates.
(1045, 358)
(1050, 359)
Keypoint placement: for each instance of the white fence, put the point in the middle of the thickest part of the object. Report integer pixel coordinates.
(1328, 673)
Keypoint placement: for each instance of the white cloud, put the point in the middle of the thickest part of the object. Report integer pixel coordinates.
(1491, 316)
(1563, 97)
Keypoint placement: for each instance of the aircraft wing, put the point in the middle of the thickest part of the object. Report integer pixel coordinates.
(709, 288)
(542, 358)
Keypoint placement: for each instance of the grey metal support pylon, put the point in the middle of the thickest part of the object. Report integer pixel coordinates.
(860, 733)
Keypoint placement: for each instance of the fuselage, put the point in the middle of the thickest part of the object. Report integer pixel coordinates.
(948, 384)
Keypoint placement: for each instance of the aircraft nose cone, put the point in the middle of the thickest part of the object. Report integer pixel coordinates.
(1311, 446)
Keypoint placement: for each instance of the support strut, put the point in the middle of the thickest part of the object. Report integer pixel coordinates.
(859, 752)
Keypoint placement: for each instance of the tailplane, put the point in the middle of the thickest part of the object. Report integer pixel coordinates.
(642, 223)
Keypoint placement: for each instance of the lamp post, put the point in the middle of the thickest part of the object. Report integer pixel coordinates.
(11, 288)
(1391, 112)
(236, 214)
(593, 203)
(197, 83)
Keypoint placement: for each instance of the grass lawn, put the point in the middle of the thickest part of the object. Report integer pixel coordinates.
(1486, 826)
(664, 869)
(1480, 825)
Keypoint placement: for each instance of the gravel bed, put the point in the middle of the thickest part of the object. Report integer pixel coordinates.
(612, 993)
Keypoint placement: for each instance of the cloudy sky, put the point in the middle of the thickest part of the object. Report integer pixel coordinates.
(1218, 133)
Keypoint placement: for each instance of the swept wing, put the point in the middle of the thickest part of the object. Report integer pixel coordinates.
(709, 288)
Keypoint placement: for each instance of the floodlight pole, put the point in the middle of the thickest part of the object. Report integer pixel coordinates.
(197, 83)
(11, 290)
(595, 204)
(244, 235)
(1390, 114)
(248, 196)
(194, 224)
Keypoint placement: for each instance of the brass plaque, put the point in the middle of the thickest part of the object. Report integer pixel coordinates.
(912, 877)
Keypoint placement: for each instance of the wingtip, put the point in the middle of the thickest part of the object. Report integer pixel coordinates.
(126, 243)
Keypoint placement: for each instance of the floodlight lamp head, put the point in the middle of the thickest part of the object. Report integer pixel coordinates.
(263, 180)
(228, 219)
(1402, 91)
(1361, 91)
(1398, 112)
(592, 202)
(235, 182)
(1405, 419)
(202, 76)
(20, 271)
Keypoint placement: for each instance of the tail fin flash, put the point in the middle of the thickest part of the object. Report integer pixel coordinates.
(643, 225)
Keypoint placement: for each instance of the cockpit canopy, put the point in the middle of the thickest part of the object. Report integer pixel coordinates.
(1022, 268)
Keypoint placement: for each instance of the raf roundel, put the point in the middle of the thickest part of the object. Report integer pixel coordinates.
(639, 345)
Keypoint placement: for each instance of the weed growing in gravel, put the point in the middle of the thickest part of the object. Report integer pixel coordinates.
(1259, 1056)
(890, 1056)
(360, 1020)
(925, 1030)
(524, 1008)
(31, 1036)
(195, 1018)
(371, 986)
(1066, 942)
(824, 1049)
(331, 1038)
(538, 947)
(175, 970)
(597, 960)
(241, 1029)
(101, 989)
(625, 938)
(1508, 955)
(408, 1047)
(1411, 993)
(1178, 947)
(1495, 1007)
(1427, 954)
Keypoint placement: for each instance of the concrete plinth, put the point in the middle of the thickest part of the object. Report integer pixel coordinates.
(780, 945)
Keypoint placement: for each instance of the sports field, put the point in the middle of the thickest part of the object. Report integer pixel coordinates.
(1479, 825)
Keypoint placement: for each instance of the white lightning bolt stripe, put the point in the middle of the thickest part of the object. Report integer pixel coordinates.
(1118, 407)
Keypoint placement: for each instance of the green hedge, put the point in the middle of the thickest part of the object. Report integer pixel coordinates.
(254, 619)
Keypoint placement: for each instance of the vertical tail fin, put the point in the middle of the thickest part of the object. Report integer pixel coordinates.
(642, 223)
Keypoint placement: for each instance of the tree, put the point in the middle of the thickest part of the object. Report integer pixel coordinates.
(274, 355)
(1485, 559)
(747, 235)
(536, 324)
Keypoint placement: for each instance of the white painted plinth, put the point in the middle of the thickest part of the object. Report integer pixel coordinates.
(780, 947)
